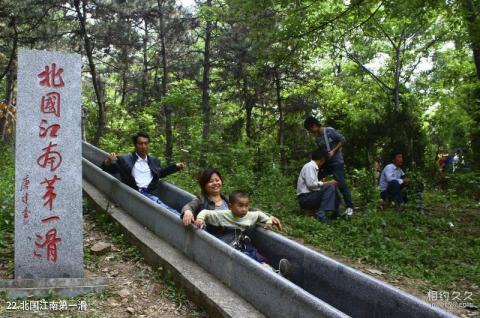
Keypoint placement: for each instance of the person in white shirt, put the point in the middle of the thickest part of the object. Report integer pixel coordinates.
(393, 181)
(313, 194)
(456, 160)
(139, 170)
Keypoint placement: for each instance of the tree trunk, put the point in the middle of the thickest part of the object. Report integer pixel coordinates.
(475, 133)
(13, 54)
(10, 70)
(248, 119)
(281, 121)
(166, 109)
(473, 26)
(9, 84)
(396, 85)
(124, 88)
(205, 92)
(476, 57)
(95, 79)
(144, 97)
(249, 103)
(123, 75)
(471, 14)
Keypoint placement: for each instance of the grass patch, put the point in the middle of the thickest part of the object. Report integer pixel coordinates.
(7, 206)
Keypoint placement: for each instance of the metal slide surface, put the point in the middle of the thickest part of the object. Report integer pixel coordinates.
(318, 287)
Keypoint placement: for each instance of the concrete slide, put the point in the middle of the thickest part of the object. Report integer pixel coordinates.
(318, 287)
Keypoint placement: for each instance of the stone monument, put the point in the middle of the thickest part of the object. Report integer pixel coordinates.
(48, 163)
(48, 166)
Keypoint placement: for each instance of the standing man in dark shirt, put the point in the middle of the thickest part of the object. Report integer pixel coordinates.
(139, 170)
(330, 140)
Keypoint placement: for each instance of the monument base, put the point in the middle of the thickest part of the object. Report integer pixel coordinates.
(57, 287)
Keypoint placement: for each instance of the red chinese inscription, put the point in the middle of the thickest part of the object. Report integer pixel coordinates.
(51, 219)
(51, 77)
(50, 195)
(49, 157)
(50, 243)
(45, 130)
(51, 104)
(24, 188)
(25, 198)
(25, 183)
(26, 215)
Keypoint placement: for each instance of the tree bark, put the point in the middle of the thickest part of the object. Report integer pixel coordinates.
(281, 121)
(124, 66)
(205, 91)
(473, 27)
(14, 51)
(249, 104)
(9, 84)
(471, 14)
(144, 97)
(10, 73)
(396, 85)
(95, 78)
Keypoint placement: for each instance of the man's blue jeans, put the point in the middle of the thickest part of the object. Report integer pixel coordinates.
(338, 172)
(157, 200)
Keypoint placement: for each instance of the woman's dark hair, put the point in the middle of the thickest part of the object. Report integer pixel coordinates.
(205, 176)
(139, 134)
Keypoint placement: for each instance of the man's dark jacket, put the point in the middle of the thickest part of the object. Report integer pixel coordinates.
(124, 165)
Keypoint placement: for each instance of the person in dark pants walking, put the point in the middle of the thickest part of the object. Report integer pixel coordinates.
(313, 194)
(328, 139)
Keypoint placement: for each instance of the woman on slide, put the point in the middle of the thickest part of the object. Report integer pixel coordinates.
(211, 198)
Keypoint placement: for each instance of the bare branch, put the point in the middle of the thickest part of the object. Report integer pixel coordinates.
(366, 70)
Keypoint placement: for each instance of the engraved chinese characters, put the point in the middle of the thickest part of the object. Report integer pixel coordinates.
(48, 221)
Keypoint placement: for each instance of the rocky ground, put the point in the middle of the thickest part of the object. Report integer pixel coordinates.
(136, 290)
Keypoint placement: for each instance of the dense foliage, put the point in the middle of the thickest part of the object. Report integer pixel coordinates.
(234, 79)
